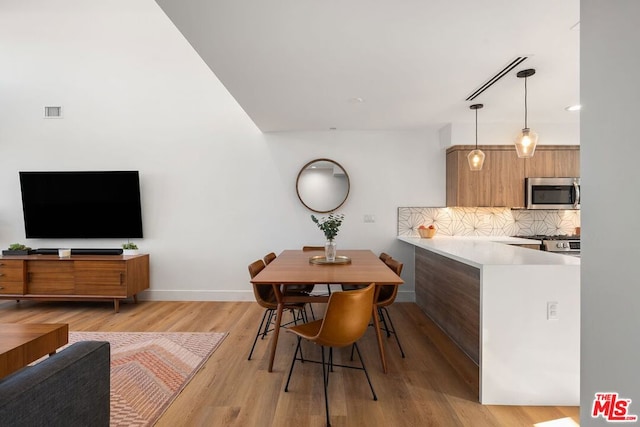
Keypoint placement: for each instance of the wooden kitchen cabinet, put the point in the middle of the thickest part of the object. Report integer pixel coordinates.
(80, 277)
(554, 161)
(501, 180)
(499, 183)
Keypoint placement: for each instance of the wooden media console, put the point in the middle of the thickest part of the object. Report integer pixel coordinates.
(79, 277)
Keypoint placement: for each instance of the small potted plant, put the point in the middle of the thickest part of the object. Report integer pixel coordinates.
(129, 248)
(17, 249)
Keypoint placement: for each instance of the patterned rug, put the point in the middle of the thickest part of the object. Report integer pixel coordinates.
(150, 369)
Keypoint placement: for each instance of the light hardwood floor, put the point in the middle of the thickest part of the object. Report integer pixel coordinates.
(424, 389)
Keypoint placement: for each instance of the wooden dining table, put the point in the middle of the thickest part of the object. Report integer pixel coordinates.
(293, 267)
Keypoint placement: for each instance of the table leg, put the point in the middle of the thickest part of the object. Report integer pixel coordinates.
(276, 328)
(276, 333)
(376, 325)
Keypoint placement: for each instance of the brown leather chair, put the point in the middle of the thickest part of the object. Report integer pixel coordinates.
(386, 297)
(266, 298)
(345, 322)
(309, 288)
(383, 257)
(268, 258)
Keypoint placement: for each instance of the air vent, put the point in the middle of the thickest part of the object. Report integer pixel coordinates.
(52, 112)
(500, 74)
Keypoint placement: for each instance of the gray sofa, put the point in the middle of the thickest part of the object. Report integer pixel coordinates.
(70, 388)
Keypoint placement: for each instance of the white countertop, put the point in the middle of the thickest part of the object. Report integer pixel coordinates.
(489, 250)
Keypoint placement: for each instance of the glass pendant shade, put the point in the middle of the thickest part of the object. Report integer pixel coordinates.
(526, 140)
(476, 159)
(526, 143)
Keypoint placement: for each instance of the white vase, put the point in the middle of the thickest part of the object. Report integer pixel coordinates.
(130, 252)
(330, 251)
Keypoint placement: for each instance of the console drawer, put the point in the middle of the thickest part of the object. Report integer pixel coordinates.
(11, 288)
(11, 271)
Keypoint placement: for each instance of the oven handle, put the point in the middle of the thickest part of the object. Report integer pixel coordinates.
(576, 188)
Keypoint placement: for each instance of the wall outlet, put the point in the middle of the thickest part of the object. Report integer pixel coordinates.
(369, 218)
(552, 310)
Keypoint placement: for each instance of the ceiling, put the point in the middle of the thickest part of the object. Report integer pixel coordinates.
(309, 65)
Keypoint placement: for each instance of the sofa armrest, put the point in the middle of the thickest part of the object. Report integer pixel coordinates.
(68, 388)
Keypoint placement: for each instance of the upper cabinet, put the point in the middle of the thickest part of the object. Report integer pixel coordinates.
(501, 180)
(555, 161)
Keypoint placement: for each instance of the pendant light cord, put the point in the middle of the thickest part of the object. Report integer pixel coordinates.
(476, 128)
(525, 103)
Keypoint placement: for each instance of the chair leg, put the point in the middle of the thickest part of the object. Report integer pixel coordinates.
(286, 387)
(365, 372)
(384, 322)
(325, 377)
(258, 333)
(313, 315)
(393, 330)
(266, 325)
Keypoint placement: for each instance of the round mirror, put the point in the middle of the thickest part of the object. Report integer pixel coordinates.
(322, 185)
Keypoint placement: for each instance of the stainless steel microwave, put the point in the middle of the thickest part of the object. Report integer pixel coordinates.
(552, 193)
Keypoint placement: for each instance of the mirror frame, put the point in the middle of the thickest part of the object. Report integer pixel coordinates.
(298, 184)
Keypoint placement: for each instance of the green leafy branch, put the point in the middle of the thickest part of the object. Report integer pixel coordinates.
(330, 225)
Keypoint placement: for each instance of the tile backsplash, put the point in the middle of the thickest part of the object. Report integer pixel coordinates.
(488, 221)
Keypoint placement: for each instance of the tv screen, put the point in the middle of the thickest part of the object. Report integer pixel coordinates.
(81, 204)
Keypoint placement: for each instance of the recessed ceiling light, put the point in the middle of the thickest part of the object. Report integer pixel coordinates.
(576, 107)
(356, 100)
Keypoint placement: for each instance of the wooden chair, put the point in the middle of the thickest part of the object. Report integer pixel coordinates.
(345, 322)
(386, 297)
(266, 298)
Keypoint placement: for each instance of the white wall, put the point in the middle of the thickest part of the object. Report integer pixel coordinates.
(610, 250)
(217, 193)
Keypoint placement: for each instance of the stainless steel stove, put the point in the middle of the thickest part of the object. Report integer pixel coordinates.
(564, 244)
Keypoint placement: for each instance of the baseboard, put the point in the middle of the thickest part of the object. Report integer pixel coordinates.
(224, 295)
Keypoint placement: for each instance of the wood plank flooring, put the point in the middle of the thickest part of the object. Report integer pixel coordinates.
(433, 386)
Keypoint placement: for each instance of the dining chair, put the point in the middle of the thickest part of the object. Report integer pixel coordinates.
(292, 289)
(383, 257)
(268, 258)
(386, 297)
(345, 322)
(309, 248)
(266, 298)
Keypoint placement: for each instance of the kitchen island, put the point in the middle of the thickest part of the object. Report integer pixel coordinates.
(515, 312)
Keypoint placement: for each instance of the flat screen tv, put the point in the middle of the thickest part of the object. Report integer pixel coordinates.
(104, 204)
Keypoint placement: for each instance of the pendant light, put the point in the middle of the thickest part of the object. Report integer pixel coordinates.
(476, 157)
(527, 139)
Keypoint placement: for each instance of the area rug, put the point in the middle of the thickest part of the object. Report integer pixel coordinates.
(150, 369)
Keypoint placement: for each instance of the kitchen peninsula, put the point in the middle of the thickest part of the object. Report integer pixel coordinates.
(514, 311)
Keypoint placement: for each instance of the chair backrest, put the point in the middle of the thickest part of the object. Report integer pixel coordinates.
(346, 318)
(388, 293)
(312, 248)
(384, 256)
(394, 265)
(263, 293)
(269, 257)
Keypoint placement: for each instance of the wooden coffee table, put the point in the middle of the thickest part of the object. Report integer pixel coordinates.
(21, 344)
